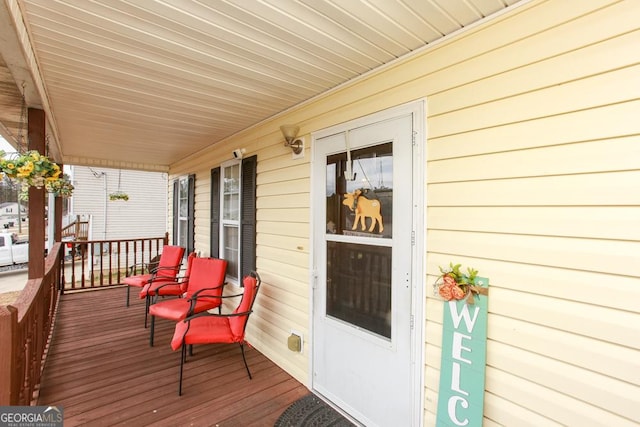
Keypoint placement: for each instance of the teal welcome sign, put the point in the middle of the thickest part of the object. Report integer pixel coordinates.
(464, 354)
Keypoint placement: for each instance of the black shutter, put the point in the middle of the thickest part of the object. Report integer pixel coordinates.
(191, 240)
(248, 214)
(176, 190)
(214, 234)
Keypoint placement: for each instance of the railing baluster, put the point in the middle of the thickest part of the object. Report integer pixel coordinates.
(90, 249)
(118, 262)
(101, 266)
(135, 257)
(73, 265)
(126, 258)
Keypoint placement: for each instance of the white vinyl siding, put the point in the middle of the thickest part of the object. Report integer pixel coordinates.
(143, 215)
(534, 160)
(533, 165)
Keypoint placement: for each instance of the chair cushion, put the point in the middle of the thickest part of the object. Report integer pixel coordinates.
(177, 309)
(179, 289)
(238, 323)
(139, 280)
(203, 330)
(168, 288)
(207, 273)
(171, 257)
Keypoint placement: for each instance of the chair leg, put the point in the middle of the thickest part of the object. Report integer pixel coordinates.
(127, 295)
(244, 359)
(183, 355)
(151, 330)
(146, 310)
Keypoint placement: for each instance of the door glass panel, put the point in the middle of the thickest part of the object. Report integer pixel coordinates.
(359, 285)
(361, 206)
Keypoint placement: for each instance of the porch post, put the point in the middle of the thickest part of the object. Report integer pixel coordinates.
(57, 216)
(36, 138)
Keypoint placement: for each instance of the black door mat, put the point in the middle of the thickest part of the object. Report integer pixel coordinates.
(311, 411)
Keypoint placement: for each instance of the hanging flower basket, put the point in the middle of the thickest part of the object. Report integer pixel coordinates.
(31, 169)
(456, 285)
(119, 195)
(61, 187)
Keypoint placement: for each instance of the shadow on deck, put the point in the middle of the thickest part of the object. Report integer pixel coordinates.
(101, 371)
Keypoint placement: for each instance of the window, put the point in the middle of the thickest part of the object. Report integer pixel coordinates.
(230, 221)
(233, 216)
(183, 212)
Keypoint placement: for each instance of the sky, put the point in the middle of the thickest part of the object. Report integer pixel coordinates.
(4, 146)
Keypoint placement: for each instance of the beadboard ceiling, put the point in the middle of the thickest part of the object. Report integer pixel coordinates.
(144, 83)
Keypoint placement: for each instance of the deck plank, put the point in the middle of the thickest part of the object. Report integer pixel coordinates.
(102, 371)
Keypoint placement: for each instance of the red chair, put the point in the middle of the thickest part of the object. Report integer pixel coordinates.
(203, 292)
(167, 269)
(211, 328)
(162, 287)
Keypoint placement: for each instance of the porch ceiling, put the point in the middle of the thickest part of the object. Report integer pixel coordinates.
(143, 83)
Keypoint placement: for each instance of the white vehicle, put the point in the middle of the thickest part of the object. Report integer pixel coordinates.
(12, 251)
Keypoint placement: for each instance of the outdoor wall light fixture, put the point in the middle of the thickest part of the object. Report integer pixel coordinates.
(290, 133)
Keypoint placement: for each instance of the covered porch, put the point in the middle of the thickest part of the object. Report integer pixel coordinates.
(102, 371)
(511, 133)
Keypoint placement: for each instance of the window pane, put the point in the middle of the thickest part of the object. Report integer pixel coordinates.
(231, 175)
(182, 232)
(359, 285)
(230, 251)
(362, 206)
(183, 198)
(231, 193)
(231, 207)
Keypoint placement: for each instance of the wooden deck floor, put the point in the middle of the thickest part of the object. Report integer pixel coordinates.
(102, 372)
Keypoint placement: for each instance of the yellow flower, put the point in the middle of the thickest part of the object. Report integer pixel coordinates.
(56, 172)
(25, 170)
(11, 166)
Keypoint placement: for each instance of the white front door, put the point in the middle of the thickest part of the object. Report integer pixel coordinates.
(363, 251)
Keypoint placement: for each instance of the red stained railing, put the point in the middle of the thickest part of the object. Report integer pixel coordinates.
(25, 330)
(94, 264)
